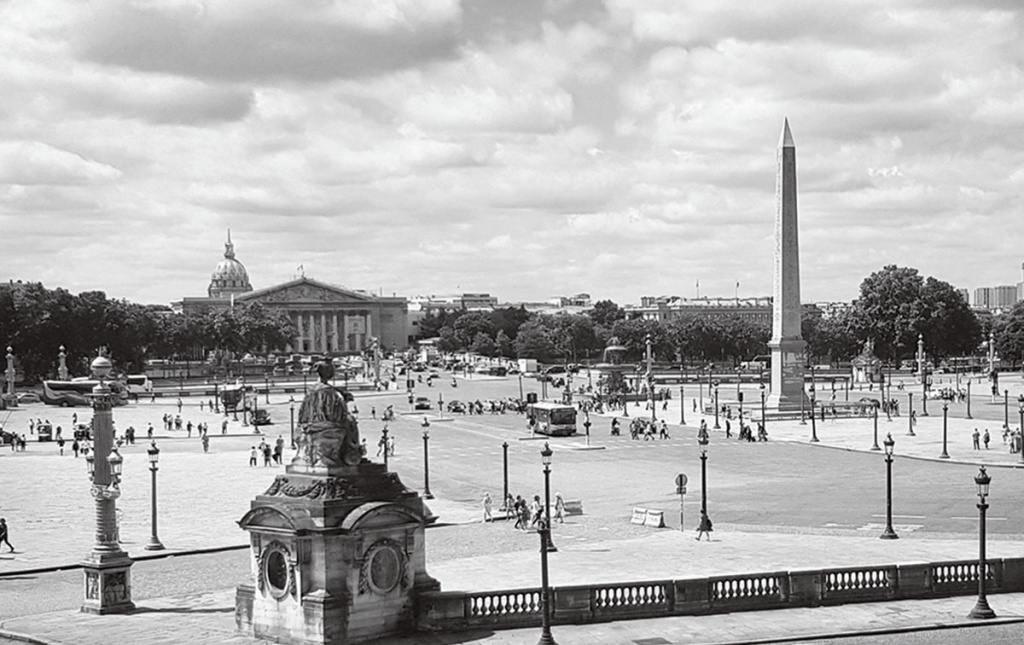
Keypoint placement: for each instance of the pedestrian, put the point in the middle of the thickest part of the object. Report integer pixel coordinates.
(488, 504)
(279, 449)
(382, 445)
(149, 431)
(663, 430)
(179, 406)
(206, 443)
(535, 510)
(3, 534)
(252, 456)
(267, 456)
(201, 405)
(559, 508)
(188, 427)
(508, 506)
(391, 445)
(913, 418)
(986, 438)
(224, 426)
(75, 447)
(976, 436)
(728, 428)
(60, 444)
(704, 528)
(373, 412)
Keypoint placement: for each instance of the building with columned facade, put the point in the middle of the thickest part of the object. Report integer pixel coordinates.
(327, 319)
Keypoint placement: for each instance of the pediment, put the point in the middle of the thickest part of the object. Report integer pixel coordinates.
(305, 291)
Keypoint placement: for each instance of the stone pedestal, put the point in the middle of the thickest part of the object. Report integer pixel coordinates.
(337, 557)
(108, 583)
(787, 370)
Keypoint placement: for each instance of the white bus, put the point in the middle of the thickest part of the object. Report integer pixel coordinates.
(555, 419)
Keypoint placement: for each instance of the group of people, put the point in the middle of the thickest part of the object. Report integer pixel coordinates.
(271, 456)
(649, 429)
(527, 514)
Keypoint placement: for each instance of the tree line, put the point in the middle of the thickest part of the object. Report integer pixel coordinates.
(895, 305)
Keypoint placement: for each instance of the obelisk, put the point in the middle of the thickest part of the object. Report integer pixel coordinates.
(787, 343)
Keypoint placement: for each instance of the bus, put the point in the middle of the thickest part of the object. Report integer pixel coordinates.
(235, 397)
(76, 392)
(555, 419)
(138, 384)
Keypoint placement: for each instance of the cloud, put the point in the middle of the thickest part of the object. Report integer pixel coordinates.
(268, 40)
(36, 163)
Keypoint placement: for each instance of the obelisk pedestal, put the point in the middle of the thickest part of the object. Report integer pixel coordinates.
(787, 344)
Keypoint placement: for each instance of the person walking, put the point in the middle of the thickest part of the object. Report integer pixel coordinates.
(252, 456)
(3, 534)
(559, 508)
(986, 438)
(488, 508)
(509, 506)
(75, 447)
(206, 443)
(60, 444)
(976, 437)
(704, 528)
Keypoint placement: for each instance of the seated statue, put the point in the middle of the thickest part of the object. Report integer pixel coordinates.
(328, 434)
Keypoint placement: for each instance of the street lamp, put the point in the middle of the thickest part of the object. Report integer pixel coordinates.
(682, 397)
(703, 441)
(266, 387)
(216, 396)
(650, 380)
(504, 461)
(814, 425)
(384, 442)
(945, 413)
(520, 385)
(544, 530)
(545, 458)
(1006, 408)
(874, 446)
(154, 456)
(981, 608)
(426, 466)
(764, 419)
(969, 398)
(291, 411)
(910, 414)
(586, 425)
(716, 407)
(889, 444)
(1020, 411)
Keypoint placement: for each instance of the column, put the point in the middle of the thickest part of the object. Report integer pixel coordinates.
(297, 319)
(334, 331)
(344, 334)
(309, 335)
(323, 332)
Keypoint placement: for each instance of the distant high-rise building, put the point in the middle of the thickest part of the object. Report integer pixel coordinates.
(1001, 297)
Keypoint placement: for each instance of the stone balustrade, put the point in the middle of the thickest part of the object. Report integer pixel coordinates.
(514, 608)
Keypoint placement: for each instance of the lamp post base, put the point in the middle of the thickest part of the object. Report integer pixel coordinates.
(888, 534)
(546, 639)
(154, 544)
(944, 455)
(981, 610)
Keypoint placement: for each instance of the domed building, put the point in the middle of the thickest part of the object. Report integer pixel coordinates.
(230, 276)
(326, 319)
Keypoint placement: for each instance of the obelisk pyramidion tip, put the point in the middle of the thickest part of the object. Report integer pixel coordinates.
(786, 139)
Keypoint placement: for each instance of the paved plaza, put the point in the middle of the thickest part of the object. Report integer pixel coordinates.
(202, 495)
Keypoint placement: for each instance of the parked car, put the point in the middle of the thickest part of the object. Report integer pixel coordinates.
(261, 418)
(457, 406)
(421, 403)
(28, 397)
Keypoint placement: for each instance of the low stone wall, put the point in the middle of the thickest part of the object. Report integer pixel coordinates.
(513, 608)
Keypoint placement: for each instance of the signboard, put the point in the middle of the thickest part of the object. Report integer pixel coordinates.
(655, 519)
(681, 480)
(639, 515)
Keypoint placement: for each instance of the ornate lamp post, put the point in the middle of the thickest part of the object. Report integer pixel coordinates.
(703, 441)
(981, 609)
(266, 387)
(969, 398)
(216, 397)
(1006, 408)
(291, 411)
(545, 458)
(1020, 411)
(586, 425)
(814, 426)
(716, 407)
(154, 456)
(9, 372)
(945, 412)
(764, 417)
(889, 444)
(910, 414)
(62, 365)
(650, 380)
(682, 397)
(384, 441)
(107, 568)
(504, 461)
(426, 466)
(874, 446)
(545, 596)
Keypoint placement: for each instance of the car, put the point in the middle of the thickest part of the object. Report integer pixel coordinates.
(29, 397)
(421, 403)
(261, 418)
(457, 406)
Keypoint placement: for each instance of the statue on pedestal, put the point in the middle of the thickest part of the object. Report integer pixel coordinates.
(329, 433)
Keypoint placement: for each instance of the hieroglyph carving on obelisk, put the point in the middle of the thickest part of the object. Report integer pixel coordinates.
(787, 344)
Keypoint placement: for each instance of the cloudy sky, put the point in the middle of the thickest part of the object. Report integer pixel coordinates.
(525, 148)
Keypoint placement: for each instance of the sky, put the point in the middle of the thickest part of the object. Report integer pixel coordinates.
(527, 148)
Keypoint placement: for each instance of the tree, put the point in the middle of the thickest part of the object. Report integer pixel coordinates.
(896, 304)
(534, 341)
(606, 313)
(503, 344)
(483, 344)
(1009, 333)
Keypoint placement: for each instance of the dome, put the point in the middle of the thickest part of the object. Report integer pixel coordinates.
(230, 275)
